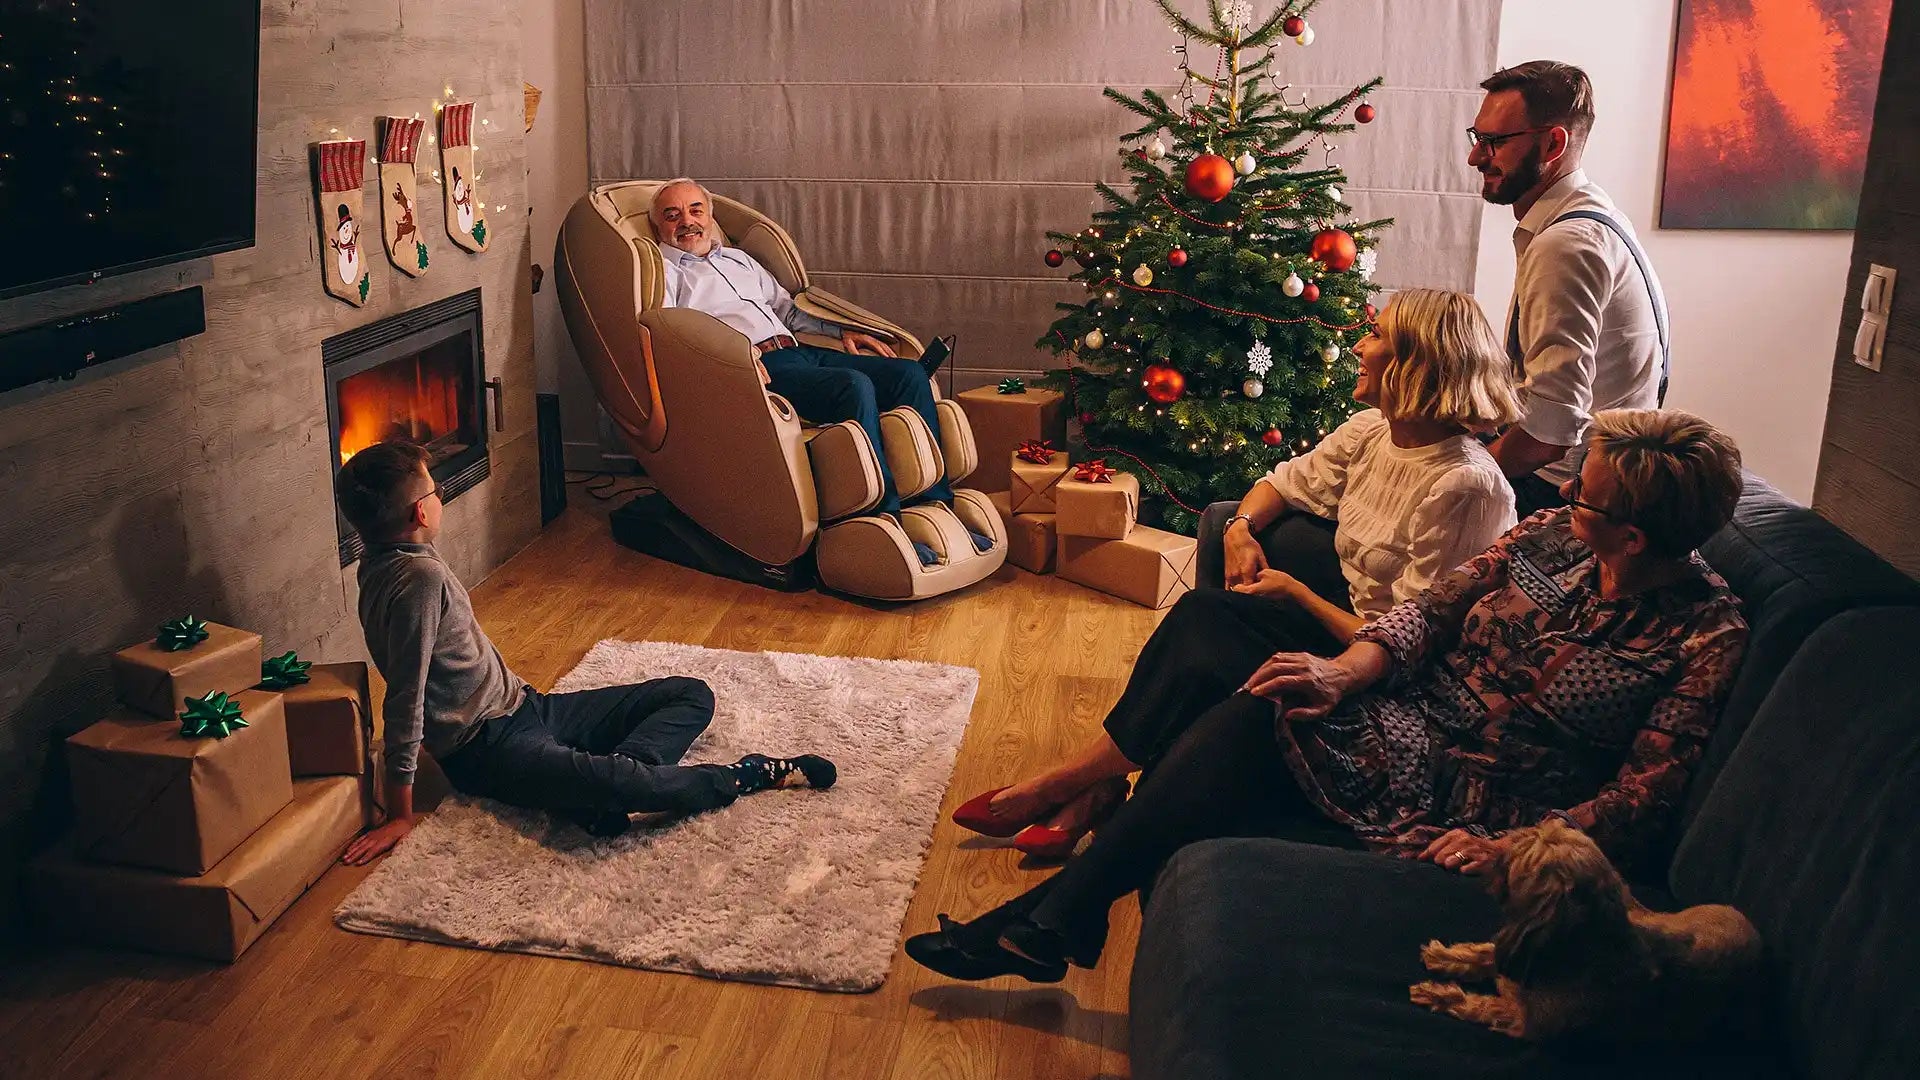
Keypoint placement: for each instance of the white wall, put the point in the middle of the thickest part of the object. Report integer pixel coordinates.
(1755, 314)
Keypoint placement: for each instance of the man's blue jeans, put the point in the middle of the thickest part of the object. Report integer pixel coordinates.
(828, 387)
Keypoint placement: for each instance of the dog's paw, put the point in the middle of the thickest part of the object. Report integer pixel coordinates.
(1457, 961)
(1437, 996)
(1434, 955)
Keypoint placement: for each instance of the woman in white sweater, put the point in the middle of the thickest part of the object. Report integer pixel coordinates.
(1414, 495)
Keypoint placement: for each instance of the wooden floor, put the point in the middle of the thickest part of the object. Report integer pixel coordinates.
(310, 1000)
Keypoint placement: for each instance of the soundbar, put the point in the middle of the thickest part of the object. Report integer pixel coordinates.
(62, 348)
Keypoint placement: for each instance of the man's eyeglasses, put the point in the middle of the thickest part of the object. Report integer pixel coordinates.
(1573, 499)
(1478, 140)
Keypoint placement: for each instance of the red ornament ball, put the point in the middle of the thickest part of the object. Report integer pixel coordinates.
(1311, 293)
(1294, 26)
(1177, 257)
(1164, 384)
(1209, 177)
(1273, 437)
(1055, 257)
(1334, 249)
(1365, 113)
(1086, 418)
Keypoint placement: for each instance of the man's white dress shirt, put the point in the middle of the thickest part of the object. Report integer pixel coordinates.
(731, 286)
(1588, 338)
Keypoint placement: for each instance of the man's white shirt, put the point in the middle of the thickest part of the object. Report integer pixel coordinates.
(731, 286)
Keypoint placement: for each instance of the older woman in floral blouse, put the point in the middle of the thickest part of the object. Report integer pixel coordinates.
(1573, 670)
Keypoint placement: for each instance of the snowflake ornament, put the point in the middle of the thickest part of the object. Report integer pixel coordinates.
(1240, 15)
(1260, 358)
(1365, 263)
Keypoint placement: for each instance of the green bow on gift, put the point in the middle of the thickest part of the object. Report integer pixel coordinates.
(280, 672)
(182, 633)
(1013, 385)
(214, 716)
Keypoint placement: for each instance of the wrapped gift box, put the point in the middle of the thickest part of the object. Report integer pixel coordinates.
(329, 721)
(1034, 486)
(1151, 567)
(1106, 509)
(215, 915)
(1001, 422)
(1030, 537)
(157, 682)
(145, 795)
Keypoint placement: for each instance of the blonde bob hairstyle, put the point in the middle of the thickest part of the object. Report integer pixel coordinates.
(1446, 363)
(1677, 476)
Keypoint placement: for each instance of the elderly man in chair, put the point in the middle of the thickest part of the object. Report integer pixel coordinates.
(824, 385)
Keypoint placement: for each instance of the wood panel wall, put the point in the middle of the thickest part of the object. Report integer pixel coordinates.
(1869, 479)
(195, 478)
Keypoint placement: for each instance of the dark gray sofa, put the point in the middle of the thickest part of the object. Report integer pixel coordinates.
(1289, 958)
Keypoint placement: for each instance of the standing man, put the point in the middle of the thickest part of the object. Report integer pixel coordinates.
(1588, 327)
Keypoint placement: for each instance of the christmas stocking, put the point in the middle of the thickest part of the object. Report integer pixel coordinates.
(399, 227)
(466, 218)
(341, 169)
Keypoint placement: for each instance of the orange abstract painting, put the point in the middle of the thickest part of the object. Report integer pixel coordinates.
(1771, 108)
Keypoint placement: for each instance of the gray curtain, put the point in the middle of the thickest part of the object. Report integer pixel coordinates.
(919, 150)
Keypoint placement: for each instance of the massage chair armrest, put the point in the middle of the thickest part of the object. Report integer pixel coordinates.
(822, 304)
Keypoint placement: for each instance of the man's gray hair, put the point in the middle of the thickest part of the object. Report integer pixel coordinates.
(654, 205)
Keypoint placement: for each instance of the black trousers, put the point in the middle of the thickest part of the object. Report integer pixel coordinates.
(1211, 763)
(613, 749)
(1299, 543)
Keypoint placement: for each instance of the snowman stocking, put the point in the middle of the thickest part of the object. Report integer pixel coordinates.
(400, 226)
(465, 214)
(341, 169)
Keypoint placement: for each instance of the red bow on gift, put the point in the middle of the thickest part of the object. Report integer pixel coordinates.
(1094, 472)
(1037, 451)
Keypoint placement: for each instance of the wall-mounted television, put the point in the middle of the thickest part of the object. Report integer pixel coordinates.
(127, 135)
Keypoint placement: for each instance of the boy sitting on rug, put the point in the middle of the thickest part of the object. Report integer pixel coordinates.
(592, 757)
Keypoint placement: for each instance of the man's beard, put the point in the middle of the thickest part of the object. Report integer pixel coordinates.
(1515, 182)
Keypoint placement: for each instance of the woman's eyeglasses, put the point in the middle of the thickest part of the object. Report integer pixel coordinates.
(1573, 499)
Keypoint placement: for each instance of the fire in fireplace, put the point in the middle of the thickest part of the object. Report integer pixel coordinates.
(419, 376)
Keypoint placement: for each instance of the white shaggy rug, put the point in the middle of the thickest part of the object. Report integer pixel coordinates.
(795, 887)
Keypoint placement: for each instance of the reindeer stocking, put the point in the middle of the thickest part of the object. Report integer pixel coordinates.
(465, 214)
(400, 226)
(341, 168)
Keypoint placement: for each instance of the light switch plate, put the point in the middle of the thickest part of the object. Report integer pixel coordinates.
(1876, 295)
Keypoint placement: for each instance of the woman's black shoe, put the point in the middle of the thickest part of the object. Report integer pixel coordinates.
(950, 952)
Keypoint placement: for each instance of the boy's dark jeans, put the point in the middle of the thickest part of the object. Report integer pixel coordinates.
(612, 749)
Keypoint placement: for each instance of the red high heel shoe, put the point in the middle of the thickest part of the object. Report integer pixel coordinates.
(977, 814)
(1053, 842)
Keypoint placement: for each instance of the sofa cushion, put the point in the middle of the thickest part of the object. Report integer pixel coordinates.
(1811, 830)
(1267, 958)
(1792, 570)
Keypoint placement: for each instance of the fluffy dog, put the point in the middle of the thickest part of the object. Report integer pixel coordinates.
(1576, 954)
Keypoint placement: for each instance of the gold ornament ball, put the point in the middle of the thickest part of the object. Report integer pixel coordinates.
(1095, 339)
(1253, 388)
(1143, 275)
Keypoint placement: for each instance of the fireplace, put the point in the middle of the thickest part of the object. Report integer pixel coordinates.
(419, 376)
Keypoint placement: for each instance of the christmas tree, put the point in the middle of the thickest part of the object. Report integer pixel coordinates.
(1224, 290)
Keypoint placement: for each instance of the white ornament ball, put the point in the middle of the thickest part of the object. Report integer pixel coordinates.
(1253, 388)
(1095, 339)
(1244, 164)
(1293, 286)
(1156, 149)
(1330, 352)
(1334, 194)
(1143, 275)
(1306, 36)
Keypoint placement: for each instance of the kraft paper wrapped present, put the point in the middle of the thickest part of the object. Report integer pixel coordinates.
(216, 915)
(146, 795)
(1001, 422)
(1106, 509)
(329, 721)
(1033, 486)
(1151, 567)
(1030, 537)
(158, 682)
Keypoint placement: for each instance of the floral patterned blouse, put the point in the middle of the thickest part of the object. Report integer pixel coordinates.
(1519, 692)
